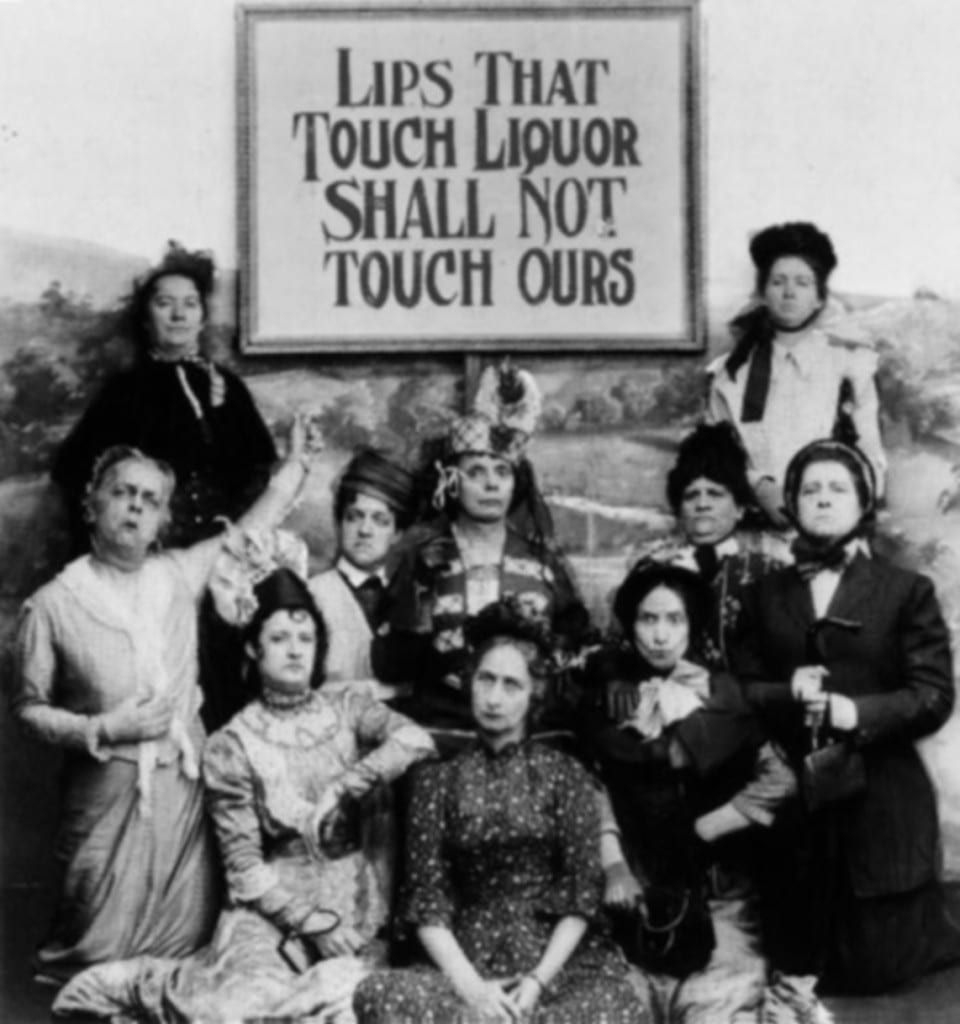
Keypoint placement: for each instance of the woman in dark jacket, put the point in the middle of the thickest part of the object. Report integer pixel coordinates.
(693, 785)
(844, 648)
(177, 405)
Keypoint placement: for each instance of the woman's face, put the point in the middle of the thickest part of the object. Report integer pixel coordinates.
(175, 314)
(661, 628)
(129, 509)
(501, 690)
(367, 530)
(286, 650)
(828, 505)
(708, 511)
(486, 487)
(791, 292)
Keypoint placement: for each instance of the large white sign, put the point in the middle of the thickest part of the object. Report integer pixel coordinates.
(466, 178)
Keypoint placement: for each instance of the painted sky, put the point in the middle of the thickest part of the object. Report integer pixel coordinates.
(117, 126)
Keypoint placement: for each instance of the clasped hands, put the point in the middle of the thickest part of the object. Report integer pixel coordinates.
(806, 686)
(502, 1000)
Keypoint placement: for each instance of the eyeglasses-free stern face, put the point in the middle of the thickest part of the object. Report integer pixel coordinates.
(175, 315)
(486, 487)
(130, 508)
(661, 629)
(828, 503)
(366, 532)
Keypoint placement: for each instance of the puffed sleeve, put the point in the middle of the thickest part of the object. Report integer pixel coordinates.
(33, 682)
(427, 897)
(397, 742)
(925, 698)
(251, 882)
(577, 889)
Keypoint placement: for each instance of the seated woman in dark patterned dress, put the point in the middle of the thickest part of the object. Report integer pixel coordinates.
(503, 880)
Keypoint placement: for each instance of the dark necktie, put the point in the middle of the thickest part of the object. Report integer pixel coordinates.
(708, 562)
(810, 558)
(370, 595)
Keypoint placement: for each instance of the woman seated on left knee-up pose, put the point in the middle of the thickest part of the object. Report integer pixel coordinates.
(503, 882)
(107, 672)
(284, 781)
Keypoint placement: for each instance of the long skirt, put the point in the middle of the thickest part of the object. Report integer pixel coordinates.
(131, 884)
(248, 972)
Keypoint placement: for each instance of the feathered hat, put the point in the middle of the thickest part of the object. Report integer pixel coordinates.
(501, 422)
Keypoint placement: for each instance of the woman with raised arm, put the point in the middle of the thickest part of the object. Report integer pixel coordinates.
(107, 671)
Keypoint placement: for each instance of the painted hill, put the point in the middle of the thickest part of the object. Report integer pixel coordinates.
(103, 275)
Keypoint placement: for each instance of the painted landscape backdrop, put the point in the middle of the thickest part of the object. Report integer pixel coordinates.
(608, 432)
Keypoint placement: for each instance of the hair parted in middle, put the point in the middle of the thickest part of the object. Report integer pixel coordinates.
(177, 261)
(507, 623)
(645, 577)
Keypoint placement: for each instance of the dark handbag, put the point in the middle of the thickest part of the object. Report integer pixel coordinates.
(832, 773)
(669, 932)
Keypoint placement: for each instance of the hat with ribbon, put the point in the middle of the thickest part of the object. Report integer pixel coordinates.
(371, 472)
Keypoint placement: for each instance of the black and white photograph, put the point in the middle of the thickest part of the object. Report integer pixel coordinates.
(480, 501)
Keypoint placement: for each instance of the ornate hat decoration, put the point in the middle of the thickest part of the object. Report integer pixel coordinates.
(503, 418)
(504, 415)
(795, 238)
(281, 590)
(371, 472)
(246, 559)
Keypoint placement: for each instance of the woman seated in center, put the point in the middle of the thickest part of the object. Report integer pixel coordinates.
(503, 884)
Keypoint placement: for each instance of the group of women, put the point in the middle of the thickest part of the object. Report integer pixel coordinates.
(714, 813)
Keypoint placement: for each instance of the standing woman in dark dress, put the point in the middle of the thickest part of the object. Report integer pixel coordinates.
(848, 649)
(177, 405)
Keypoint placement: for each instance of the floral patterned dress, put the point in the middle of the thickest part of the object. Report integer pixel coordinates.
(501, 846)
(265, 773)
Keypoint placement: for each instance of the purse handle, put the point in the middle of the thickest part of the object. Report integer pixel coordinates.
(291, 935)
(816, 655)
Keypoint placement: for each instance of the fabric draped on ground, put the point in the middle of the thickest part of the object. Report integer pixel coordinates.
(131, 883)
